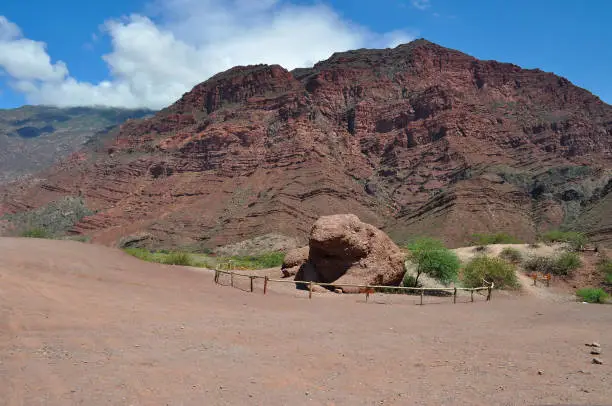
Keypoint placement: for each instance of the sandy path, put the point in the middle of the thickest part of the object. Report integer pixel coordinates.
(82, 324)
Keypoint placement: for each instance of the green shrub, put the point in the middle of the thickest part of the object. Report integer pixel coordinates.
(567, 262)
(563, 265)
(36, 233)
(497, 238)
(605, 267)
(576, 240)
(434, 259)
(140, 253)
(495, 270)
(542, 265)
(410, 281)
(592, 295)
(511, 255)
(178, 258)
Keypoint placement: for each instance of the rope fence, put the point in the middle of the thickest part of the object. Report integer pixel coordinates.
(362, 289)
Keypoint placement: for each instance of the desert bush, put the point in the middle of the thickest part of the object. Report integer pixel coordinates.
(511, 255)
(497, 238)
(592, 295)
(36, 233)
(542, 265)
(178, 258)
(563, 265)
(495, 270)
(574, 239)
(55, 218)
(434, 259)
(567, 262)
(605, 267)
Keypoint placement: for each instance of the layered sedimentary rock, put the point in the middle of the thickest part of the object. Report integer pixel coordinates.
(419, 139)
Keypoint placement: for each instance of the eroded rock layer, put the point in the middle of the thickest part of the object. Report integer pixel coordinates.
(419, 139)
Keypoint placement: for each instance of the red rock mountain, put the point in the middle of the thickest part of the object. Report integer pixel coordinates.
(416, 140)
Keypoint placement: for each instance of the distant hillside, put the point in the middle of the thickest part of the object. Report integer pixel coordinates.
(32, 138)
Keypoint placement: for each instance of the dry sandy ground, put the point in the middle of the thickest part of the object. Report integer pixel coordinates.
(88, 325)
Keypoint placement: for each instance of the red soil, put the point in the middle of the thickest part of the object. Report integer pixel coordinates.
(83, 324)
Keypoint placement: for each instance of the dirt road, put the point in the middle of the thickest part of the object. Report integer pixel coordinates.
(82, 324)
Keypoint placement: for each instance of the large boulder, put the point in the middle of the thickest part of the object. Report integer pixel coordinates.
(294, 260)
(345, 250)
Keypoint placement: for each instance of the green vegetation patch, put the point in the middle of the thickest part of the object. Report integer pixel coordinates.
(496, 270)
(511, 255)
(592, 295)
(434, 259)
(51, 220)
(263, 261)
(178, 258)
(35, 233)
(576, 240)
(605, 267)
(563, 265)
(567, 263)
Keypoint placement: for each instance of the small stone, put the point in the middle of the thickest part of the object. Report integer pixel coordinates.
(338, 291)
(597, 361)
(596, 351)
(540, 372)
(593, 344)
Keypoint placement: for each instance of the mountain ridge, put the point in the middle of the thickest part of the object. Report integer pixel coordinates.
(33, 138)
(419, 139)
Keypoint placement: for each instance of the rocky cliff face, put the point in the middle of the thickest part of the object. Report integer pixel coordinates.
(419, 139)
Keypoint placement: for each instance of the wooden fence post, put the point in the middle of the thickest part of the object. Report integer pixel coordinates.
(422, 292)
(310, 290)
(455, 296)
(265, 285)
(232, 279)
(251, 284)
(216, 276)
(472, 292)
(367, 292)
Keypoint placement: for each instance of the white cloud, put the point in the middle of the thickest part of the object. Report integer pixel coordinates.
(421, 4)
(154, 60)
(24, 59)
(8, 30)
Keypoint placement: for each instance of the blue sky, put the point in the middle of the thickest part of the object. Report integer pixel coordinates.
(157, 49)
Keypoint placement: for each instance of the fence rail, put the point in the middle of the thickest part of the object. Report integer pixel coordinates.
(367, 289)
